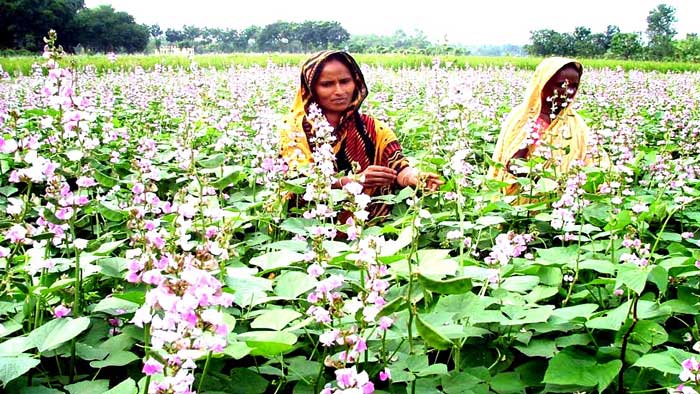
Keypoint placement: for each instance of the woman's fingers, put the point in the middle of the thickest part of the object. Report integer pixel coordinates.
(378, 176)
(432, 181)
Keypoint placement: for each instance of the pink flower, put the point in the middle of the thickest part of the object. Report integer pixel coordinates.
(691, 370)
(640, 207)
(385, 322)
(152, 367)
(16, 233)
(61, 311)
(385, 375)
(85, 181)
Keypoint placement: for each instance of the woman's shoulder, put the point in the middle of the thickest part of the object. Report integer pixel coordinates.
(373, 123)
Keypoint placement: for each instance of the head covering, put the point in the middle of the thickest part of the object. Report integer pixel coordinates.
(568, 131)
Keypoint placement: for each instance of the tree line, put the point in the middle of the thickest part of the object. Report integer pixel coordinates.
(660, 41)
(24, 23)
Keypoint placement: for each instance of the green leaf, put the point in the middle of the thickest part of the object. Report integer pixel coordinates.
(572, 312)
(669, 236)
(659, 276)
(268, 343)
(606, 373)
(296, 225)
(433, 369)
(540, 293)
(520, 284)
(277, 259)
(126, 387)
(237, 350)
(435, 262)
(115, 359)
(602, 266)
(107, 247)
(447, 286)
(231, 175)
(292, 284)
(539, 348)
(113, 266)
(39, 390)
(460, 383)
(275, 319)
(58, 331)
(245, 381)
(249, 290)
(301, 368)
(568, 368)
(662, 361)
(557, 256)
(111, 214)
(214, 161)
(573, 340)
(507, 383)
(105, 180)
(632, 276)
(88, 387)
(15, 366)
(89, 353)
(486, 221)
(115, 306)
(431, 336)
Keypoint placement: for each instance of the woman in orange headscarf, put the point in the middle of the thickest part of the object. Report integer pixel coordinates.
(334, 81)
(545, 124)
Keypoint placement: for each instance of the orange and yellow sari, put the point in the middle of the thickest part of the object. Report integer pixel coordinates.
(361, 140)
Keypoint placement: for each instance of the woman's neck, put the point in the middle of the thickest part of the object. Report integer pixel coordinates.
(333, 119)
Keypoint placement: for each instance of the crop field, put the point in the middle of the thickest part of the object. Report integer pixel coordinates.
(148, 241)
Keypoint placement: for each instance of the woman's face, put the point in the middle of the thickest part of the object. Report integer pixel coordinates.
(335, 87)
(560, 90)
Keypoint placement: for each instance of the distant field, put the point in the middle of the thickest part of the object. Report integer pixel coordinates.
(23, 65)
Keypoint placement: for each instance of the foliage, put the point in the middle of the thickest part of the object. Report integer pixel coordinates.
(619, 45)
(23, 23)
(660, 31)
(102, 29)
(101, 63)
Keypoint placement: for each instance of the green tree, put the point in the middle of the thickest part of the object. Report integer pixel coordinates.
(173, 36)
(155, 31)
(583, 42)
(660, 31)
(102, 29)
(547, 42)
(688, 50)
(24, 23)
(626, 46)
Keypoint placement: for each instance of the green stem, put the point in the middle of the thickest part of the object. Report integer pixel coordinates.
(204, 372)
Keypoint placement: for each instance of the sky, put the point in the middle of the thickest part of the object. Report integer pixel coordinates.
(468, 22)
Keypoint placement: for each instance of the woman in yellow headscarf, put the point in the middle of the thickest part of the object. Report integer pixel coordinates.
(334, 81)
(545, 124)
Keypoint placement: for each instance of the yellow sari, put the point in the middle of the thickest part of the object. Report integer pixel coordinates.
(567, 132)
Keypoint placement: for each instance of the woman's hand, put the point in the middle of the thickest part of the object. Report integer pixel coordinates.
(410, 176)
(376, 176)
